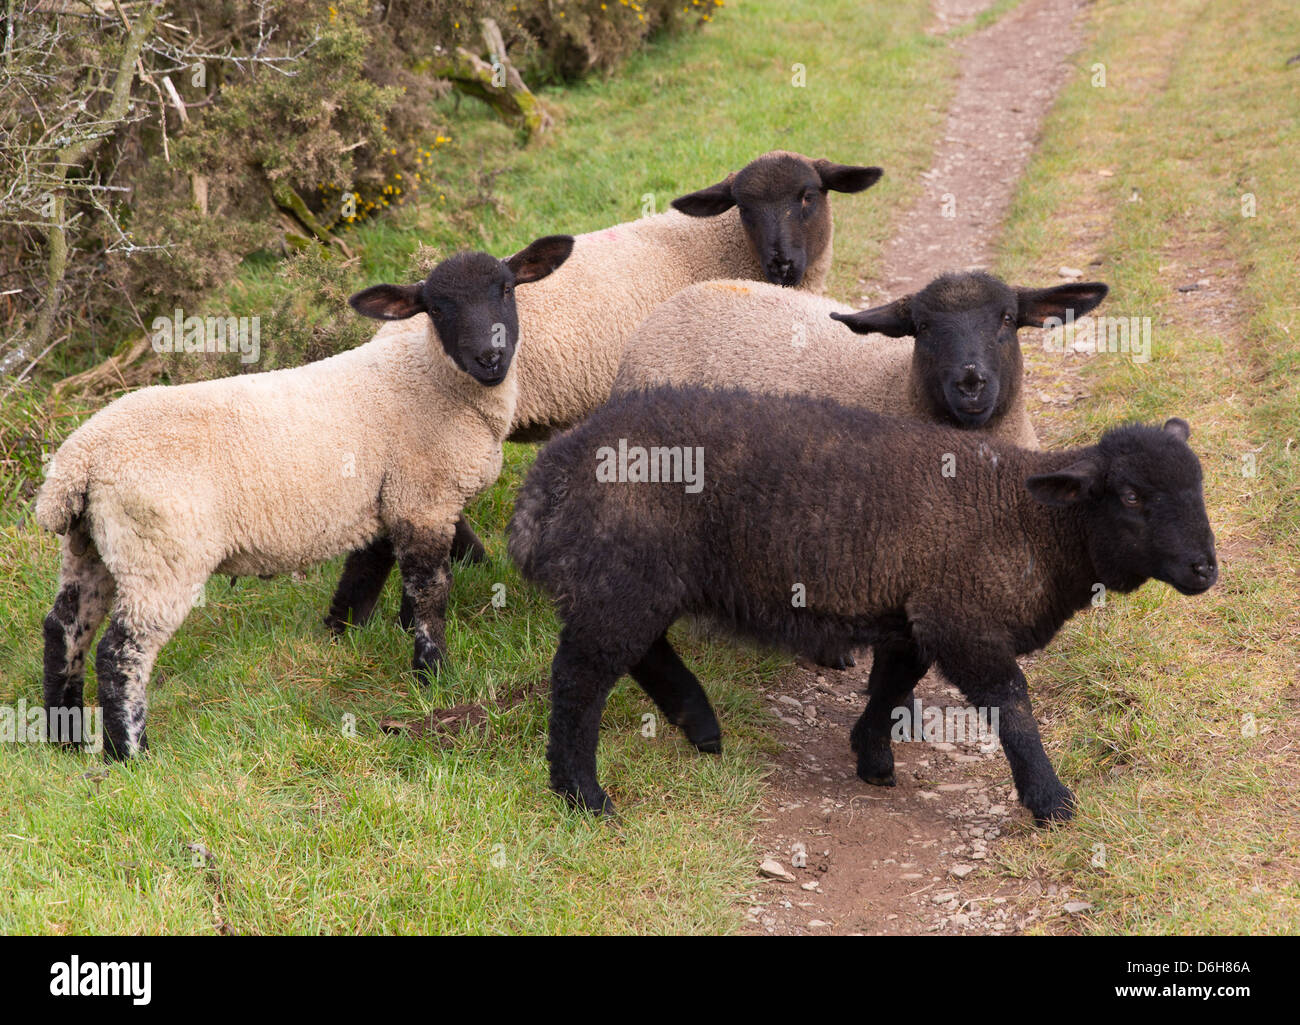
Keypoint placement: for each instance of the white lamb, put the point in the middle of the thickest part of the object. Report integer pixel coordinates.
(269, 473)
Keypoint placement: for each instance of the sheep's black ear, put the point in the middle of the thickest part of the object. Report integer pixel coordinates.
(1064, 487)
(540, 257)
(1037, 304)
(389, 302)
(893, 319)
(1179, 428)
(846, 177)
(707, 202)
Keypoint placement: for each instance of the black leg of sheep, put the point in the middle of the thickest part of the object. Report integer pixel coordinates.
(465, 546)
(580, 684)
(366, 570)
(1004, 687)
(679, 696)
(364, 573)
(896, 666)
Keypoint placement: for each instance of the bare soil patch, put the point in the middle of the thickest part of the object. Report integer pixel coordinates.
(914, 858)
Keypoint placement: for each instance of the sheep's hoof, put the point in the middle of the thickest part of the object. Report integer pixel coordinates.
(471, 554)
(709, 746)
(336, 625)
(115, 753)
(428, 658)
(877, 774)
(836, 660)
(1050, 806)
(597, 803)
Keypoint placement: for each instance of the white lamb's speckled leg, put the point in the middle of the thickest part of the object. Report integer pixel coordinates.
(124, 662)
(86, 591)
(424, 558)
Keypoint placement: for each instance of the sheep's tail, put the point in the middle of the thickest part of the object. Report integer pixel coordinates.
(62, 497)
(527, 524)
(535, 506)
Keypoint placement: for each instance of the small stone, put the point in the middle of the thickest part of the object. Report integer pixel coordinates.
(960, 919)
(809, 886)
(943, 898)
(911, 875)
(961, 871)
(1070, 272)
(773, 869)
(791, 702)
(817, 923)
(927, 795)
(998, 809)
(1077, 907)
(952, 788)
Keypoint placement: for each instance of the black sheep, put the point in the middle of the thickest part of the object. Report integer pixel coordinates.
(928, 544)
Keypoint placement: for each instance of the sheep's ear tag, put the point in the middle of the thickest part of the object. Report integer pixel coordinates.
(1063, 487)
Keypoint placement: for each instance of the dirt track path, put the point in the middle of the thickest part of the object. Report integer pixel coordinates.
(910, 859)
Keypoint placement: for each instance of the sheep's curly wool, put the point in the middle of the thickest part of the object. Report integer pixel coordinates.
(269, 473)
(820, 526)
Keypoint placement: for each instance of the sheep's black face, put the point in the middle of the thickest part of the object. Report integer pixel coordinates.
(1142, 506)
(783, 207)
(470, 298)
(967, 356)
(471, 301)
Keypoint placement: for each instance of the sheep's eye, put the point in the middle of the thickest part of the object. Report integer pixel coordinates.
(1008, 319)
(808, 199)
(922, 327)
(1129, 497)
(507, 289)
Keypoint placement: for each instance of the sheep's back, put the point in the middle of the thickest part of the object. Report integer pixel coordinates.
(764, 338)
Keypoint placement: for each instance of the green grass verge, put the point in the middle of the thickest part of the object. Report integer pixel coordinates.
(1173, 717)
(307, 829)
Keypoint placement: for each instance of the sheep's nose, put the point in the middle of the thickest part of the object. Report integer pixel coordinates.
(489, 360)
(1207, 569)
(971, 383)
(781, 270)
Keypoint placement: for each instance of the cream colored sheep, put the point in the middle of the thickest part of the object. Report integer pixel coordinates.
(269, 473)
(964, 368)
(771, 219)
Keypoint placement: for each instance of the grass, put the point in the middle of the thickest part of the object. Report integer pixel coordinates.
(1174, 718)
(257, 812)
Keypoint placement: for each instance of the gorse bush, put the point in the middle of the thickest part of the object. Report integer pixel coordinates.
(147, 155)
